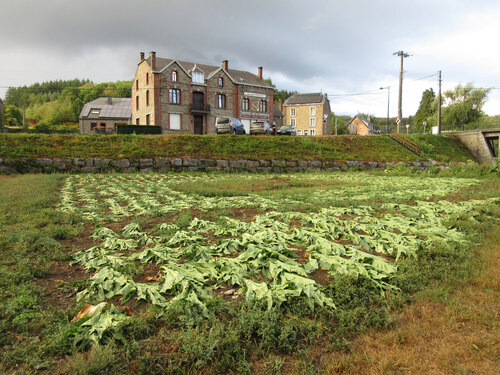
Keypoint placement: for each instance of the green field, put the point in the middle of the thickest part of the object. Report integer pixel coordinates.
(220, 273)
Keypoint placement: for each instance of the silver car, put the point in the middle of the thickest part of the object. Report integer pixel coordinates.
(229, 125)
(261, 127)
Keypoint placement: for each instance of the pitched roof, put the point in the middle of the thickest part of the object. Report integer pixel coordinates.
(313, 98)
(119, 108)
(238, 76)
(277, 112)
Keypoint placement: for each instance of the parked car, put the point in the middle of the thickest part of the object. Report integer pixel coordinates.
(261, 127)
(287, 130)
(229, 125)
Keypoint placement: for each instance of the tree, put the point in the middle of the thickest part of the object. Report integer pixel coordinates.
(464, 106)
(13, 116)
(425, 110)
(280, 95)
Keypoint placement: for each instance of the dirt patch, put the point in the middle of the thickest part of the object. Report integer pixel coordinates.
(150, 273)
(59, 291)
(321, 277)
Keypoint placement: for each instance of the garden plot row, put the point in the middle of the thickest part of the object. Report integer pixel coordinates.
(273, 258)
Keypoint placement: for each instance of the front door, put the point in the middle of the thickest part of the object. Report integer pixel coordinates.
(198, 124)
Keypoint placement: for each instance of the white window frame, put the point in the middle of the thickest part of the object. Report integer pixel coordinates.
(306, 132)
(299, 132)
(292, 122)
(312, 121)
(293, 113)
(313, 111)
(174, 121)
(313, 132)
(198, 77)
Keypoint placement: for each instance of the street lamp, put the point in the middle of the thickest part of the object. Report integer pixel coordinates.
(388, 97)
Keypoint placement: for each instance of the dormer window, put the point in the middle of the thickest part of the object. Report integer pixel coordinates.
(221, 82)
(198, 77)
(174, 75)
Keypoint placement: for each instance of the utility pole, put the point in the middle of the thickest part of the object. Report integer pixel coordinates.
(439, 103)
(401, 54)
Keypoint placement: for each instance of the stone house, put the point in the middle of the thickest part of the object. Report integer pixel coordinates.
(186, 97)
(103, 114)
(309, 113)
(361, 126)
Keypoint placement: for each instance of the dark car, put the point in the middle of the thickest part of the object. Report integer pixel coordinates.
(229, 125)
(287, 130)
(261, 127)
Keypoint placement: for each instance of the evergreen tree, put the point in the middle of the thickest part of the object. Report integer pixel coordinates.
(425, 111)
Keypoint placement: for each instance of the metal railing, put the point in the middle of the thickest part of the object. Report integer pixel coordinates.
(404, 141)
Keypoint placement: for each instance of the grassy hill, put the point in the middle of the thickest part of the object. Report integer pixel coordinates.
(373, 148)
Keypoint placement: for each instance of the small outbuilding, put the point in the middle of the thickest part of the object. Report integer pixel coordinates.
(103, 114)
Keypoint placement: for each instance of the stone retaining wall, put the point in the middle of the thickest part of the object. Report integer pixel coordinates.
(164, 164)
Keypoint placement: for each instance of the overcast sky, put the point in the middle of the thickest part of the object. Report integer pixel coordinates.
(337, 47)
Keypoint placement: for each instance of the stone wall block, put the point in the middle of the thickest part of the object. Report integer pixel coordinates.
(302, 164)
(190, 162)
(265, 163)
(315, 164)
(145, 163)
(101, 162)
(278, 163)
(44, 162)
(89, 162)
(78, 162)
(120, 163)
(222, 164)
(177, 162)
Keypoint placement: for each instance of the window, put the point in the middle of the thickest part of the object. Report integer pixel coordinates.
(245, 106)
(292, 122)
(313, 111)
(93, 125)
(221, 82)
(292, 112)
(147, 119)
(263, 106)
(137, 102)
(175, 121)
(221, 101)
(137, 84)
(299, 132)
(175, 96)
(198, 77)
(95, 111)
(312, 121)
(137, 121)
(147, 97)
(306, 132)
(313, 132)
(147, 78)
(174, 75)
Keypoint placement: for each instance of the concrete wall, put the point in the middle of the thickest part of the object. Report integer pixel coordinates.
(476, 143)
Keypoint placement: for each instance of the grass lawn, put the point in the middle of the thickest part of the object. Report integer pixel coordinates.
(370, 148)
(218, 273)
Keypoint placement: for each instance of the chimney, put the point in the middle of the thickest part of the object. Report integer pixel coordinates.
(153, 60)
(225, 65)
(110, 101)
(142, 56)
(260, 72)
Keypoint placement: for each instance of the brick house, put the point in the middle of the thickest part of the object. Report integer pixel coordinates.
(103, 114)
(361, 126)
(185, 97)
(309, 113)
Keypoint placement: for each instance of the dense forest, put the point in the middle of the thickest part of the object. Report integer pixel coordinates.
(56, 102)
